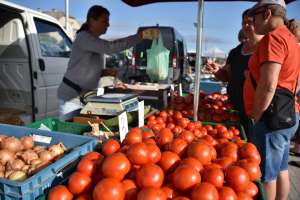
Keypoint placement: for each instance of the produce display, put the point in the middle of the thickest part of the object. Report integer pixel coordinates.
(20, 159)
(213, 107)
(171, 158)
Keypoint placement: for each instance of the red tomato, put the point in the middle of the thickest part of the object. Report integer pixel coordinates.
(205, 191)
(178, 146)
(214, 176)
(138, 154)
(237, 178)
(197, 133)
(191, 126)
(208, 127)
(252, 168)
(249, 151)
(212, 165)
(200, 151)
(186, 177)
(230, 149)
(183, 122)
(213, 153)
(130, 189)
(178, 115)
(109, 189)
(169, 161)
(87, 167)
(181, 198)
(132, 173)
(188, 136)
(135, 135)
(116, 166)
(149, 140)
(79, 183)
(170, 191)
(225, 162)
(84, 197)
(60, 192)
(110, 147)
(152, 117)
(159, 120)
(93, 156)
(197, 124)
(148, 134)
(177, 130)
(192, 162)
(170, 126)
(227, 193)
(163, 114)
(244, 196)
(165, 136)
(154, 153)
(150, 175)
(151, 194)
(251, 189)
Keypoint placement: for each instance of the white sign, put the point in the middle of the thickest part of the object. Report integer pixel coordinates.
(123, 125)
(42, 139)
(100, 91)
(141, 110)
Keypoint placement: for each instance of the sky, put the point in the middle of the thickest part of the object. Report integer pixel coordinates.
(222, 20)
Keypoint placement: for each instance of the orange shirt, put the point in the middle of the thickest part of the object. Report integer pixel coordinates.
(278, 46)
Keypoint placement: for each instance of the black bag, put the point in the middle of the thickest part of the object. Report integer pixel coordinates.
(281, 112)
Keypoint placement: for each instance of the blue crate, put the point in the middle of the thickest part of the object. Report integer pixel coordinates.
(210, 87)
(35, 186)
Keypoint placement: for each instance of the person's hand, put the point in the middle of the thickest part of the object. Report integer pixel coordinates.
(211, 67)
(150, 33)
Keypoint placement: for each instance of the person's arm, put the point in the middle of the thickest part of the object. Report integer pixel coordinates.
(91, 43)
(266, 87)
(223, 74)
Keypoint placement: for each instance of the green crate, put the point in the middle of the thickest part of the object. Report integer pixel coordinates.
(57, 125)
(262, 195)
(236, 124)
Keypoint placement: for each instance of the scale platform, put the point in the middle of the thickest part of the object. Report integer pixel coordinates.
(110, 104)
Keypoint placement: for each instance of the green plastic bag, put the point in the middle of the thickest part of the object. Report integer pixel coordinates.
(158, 60)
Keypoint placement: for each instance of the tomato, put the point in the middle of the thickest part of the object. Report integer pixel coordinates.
(149, 141)
(230, 149)
(79, 183)
(132, 173)
(191, 126)
(200, 151)
(124, 149)
(178, 146)
(151, 194)
(224, 162)
(186, 177)
(154, 153)
(116, 166)
(60, 192)
(109, 189)
(170, 191)
(192, 162)
(249, 151)
(227, 193)
(188, 136)
(214, 176)
(213, 153)
(203, 131)
(135, 135)
(138, 154)
(170, 125)
(244, 196)
(252, 168)
(93, 155)
(84, 197)
(165, 136)
(169, 161)
(205, 191)
(251, 189)
(177, 130)
(150, 175)
(130, 189)
(237, 178)
(110, 147)
(183, 122)
(212, 165)
(170, 112)
(178, 115)
(163, 114)
(151, 117)
(148, 134)
(210, 140)
(87, 167)
(197, 124)
(181, 198)
(208, 127)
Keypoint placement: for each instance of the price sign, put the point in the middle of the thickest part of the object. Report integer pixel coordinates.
(123, 125)
(141, 106)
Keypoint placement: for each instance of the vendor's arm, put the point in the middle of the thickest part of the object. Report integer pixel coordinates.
(91, 43)
(266, 87)
(223, 74)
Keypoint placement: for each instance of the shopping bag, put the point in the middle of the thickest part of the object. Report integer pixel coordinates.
(158, 60)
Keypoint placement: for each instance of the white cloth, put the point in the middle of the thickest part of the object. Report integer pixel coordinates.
(69, 109)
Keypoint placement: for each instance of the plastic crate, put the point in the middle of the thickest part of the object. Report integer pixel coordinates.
(37, 184)
(57, 125)
(262, 195)
(236, 124)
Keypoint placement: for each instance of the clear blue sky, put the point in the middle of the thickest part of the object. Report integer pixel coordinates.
(221, 20)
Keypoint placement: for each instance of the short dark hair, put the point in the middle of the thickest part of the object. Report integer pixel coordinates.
(245, 13)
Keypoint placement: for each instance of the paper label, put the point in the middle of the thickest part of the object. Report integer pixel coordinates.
(123, 125)
(100, 91)
(42, 139)
(141, 111)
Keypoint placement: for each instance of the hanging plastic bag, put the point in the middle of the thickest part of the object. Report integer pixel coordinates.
(158, 60)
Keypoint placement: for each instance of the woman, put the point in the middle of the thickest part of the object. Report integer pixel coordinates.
(87, 60)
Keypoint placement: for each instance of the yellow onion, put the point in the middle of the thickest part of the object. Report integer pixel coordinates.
(12, 144)
(6, 156)
(45, 155)
(38, 149)
(16, 164)
(27, 142)
(57, 149)
(17, 176)
(29, 155)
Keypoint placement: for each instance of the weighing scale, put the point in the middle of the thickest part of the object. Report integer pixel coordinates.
(110, 104)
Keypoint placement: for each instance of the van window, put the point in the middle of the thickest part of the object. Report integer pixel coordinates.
(53, 41)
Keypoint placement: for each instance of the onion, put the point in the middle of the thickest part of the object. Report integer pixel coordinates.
(36, 162)
(38, 149)
(12, 144)
(16, 164)
(2, 137)
(57, 149)
(45, 155)
(6, 156)
(29, 155)
(2, 168)
(17, 176)
(25, 168)
(27, 142)
(8, 173)
(2, 174)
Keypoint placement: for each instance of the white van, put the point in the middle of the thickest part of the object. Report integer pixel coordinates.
(34, 53)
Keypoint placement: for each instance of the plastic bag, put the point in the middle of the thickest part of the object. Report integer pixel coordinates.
(158, 60)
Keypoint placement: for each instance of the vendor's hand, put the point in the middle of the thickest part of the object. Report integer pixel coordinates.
(150, 33)
(211, 68)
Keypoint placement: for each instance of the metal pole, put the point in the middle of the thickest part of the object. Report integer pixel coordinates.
(198, 57)
(67, 15)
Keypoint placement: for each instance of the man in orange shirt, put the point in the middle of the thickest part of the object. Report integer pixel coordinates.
(275, 64)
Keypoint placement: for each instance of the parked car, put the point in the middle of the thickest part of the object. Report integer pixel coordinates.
(34, 53)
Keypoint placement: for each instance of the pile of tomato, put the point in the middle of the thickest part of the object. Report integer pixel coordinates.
(173, 158)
